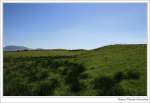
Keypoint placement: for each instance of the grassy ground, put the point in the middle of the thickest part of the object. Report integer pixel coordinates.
(114, 70)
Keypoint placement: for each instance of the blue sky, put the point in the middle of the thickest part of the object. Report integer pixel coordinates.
(74, 26)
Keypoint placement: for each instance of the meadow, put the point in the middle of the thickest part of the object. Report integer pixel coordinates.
(113, 70)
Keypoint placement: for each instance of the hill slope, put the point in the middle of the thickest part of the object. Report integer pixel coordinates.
(113, 70)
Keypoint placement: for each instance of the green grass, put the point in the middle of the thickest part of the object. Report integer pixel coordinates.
(114, 70)
(33, 53)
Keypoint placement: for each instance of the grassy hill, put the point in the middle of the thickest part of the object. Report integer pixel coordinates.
(114, 70)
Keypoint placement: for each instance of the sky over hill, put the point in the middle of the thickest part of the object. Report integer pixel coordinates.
(74, 26)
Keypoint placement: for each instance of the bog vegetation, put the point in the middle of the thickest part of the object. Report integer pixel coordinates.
(115, 70)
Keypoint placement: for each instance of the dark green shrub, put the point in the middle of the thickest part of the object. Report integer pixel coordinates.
(17, 87)
(133, 74)
(117, 90)
(62, 70)
(119, 76)
(72, 77)
(109, 86)
(41, 74)
(46, 87)
(75, 85)
(84, 76)
(103, 85)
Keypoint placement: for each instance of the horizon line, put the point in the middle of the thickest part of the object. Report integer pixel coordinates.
(77, 48)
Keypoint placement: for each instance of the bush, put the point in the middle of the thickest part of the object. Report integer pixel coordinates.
(119, 76)
(46, 87)
(133, 74)
(109, 86)
(103, 85)
(72, 77)
(118, 90)
(17, 87)
(41, 74)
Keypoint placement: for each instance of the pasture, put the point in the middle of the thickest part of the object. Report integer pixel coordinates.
(114, 70)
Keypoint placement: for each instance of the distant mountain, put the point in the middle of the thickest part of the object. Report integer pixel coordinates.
(15, 48)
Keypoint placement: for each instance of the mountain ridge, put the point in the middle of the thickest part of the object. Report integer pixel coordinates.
(15, 48)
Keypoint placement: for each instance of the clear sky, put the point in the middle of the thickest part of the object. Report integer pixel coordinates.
(74, 26)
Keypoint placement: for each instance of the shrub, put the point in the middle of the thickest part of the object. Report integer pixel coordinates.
(109, 86)
(119, 76)
(41, 74)
(84, 76)
(103, 85)
(46, 87)
(17, 87)
(72, 77)
(118, 90)
(133, 74)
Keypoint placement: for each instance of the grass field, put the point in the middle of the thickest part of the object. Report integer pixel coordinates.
(114, 70)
